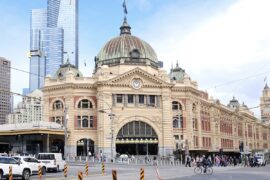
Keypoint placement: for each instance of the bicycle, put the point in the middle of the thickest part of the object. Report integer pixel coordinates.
(200, 168)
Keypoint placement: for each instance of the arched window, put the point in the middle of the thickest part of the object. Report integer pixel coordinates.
(57, 105)
(136, 129)
(175, 123)
(85, 104)
(176, 106)
(85, 121)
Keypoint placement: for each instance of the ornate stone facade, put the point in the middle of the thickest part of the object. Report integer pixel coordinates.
(130, 103)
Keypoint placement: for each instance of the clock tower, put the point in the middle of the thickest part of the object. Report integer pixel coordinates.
(265, 105)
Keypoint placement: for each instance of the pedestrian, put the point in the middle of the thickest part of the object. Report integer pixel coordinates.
(188, 159)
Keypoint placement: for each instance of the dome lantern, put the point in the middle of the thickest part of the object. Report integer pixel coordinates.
(125, 28)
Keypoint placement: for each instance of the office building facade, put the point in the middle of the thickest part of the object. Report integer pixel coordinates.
(5, 96)
(29, 110)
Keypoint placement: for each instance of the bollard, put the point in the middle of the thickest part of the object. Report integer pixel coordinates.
(102, 168)
(114, 175)
(142, 174)
(39, 172)
(65, 171)
(10, 173)
(80, 175)
(86, 169)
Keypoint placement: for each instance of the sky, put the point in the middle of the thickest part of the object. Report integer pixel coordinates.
(224, 45)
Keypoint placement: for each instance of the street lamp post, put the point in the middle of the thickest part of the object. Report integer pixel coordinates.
(65, 128)
(111, 115)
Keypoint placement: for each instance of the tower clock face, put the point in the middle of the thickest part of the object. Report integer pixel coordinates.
(136, 83)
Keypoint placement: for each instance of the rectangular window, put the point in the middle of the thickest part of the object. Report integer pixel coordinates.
(182, 137)
(119, 98)
(152, 100)
(141, 99)
(79, 122)
(130, 99)
(176, 137)
(91, 121)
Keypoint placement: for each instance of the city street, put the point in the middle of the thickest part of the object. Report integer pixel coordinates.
(131, 172)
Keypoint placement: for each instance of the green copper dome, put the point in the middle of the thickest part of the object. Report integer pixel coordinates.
(67, 68)
(128, 47)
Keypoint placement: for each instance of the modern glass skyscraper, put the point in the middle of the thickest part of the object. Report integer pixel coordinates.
(53, 48)
(37, 55)
(54, 31)
(64, 14)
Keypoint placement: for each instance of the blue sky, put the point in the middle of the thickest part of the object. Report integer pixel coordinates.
(215, 41)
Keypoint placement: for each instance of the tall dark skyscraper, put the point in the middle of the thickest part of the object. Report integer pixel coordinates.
(5, 98)
(54, 32)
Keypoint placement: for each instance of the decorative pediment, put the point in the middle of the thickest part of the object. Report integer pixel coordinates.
(137, 78)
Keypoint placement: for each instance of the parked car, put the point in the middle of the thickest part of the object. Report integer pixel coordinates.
(18, 169)
(32, 162)
(52, 161)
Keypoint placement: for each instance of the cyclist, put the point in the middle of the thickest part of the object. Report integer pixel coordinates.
(204, 163)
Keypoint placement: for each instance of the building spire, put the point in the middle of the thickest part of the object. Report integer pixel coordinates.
(177, 65)
(125, 28)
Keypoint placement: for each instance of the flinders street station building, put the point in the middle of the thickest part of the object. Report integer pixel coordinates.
(132, 106)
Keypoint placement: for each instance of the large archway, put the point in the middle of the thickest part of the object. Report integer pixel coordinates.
(137, 138)
(84, 146)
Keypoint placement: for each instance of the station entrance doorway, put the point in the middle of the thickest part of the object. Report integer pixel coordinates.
(137, 138)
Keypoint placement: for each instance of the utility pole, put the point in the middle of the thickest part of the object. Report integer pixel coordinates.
(65, 128)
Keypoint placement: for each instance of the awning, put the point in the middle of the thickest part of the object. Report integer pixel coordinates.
(136, 141)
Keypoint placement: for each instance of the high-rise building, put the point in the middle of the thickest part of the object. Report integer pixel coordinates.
(54, 32)
(64, 14)
(37, 54)
(29, 110)
(5, 103)
(53, 49)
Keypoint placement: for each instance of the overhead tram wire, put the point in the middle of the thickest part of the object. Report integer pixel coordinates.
(18, 94)
(237, 80)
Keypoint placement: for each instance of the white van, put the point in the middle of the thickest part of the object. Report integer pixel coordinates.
(53, 161)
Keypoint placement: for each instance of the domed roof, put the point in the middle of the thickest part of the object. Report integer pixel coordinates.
(65, 69)
(126, 46)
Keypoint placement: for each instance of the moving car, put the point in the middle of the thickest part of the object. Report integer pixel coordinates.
(32, 162)
(52, 161)
(18, 169)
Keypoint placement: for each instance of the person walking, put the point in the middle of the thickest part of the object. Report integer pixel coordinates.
(188, 161)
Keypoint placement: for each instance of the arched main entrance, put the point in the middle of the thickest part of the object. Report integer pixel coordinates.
(84, 146)
(137, 138)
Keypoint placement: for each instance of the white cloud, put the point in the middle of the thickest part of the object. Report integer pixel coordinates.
(224, 46)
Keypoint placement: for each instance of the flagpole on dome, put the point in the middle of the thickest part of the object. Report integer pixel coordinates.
(125, 9)
(125, 28)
